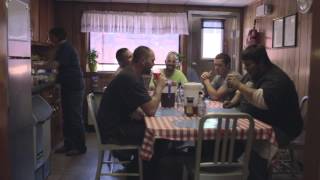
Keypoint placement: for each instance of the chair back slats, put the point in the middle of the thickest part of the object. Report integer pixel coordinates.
(233, 136)
(224, 142)
(225, 132)
(92, 115)
(217, 140)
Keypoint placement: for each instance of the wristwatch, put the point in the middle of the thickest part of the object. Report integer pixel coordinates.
(304, 5)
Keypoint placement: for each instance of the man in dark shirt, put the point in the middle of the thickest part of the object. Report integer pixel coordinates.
(123, 96)
(70, 78)
(272, 99)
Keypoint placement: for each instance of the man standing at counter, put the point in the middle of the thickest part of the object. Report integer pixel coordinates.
(70, 78)
(272, 99)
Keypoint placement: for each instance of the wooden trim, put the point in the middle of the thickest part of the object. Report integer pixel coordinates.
(312, 148)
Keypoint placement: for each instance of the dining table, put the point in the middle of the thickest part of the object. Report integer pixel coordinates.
(173, 124)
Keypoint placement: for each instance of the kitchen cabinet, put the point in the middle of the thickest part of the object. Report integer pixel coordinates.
(34, 13)
(44, 84)
(42, 19)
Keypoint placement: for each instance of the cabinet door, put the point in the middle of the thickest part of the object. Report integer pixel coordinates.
(50, 14)
(43, 20)
(34, 9)
(18, 21)
(46, 19)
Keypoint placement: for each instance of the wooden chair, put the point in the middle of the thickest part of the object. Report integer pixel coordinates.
(92, 110)
(223, 166)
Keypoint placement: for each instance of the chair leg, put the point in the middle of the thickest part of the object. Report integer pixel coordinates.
(109, 160)
(140, 166)
(99, 166)
(294, 163)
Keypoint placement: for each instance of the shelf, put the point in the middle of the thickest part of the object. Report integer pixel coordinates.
(42, 44)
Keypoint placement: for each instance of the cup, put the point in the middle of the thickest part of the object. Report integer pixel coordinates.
(156, 75)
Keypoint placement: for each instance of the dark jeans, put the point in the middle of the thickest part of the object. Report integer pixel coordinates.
(258, 167)
(73, 127)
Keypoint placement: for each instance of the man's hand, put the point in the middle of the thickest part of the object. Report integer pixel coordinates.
(233, 81)
(227, 104)
(205, 75)
(138, 114)
(161, 82)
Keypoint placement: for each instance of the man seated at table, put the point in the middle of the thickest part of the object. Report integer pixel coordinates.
(124, 58)
(125, 93)
(170, 72)
(217, 89)
(272, 99)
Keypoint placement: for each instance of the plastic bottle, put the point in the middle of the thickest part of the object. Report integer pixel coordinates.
(202, 107)
(179, 98)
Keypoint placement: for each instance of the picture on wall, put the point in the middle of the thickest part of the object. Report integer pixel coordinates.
(290, 30)
(277, 38)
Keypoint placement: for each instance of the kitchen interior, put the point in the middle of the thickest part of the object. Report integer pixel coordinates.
(30, 104)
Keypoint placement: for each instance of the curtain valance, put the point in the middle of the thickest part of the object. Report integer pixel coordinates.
(134, 22)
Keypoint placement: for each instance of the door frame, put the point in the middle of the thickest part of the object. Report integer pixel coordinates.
(220, 15)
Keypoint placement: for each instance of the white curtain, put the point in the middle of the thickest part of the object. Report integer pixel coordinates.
(134, 22)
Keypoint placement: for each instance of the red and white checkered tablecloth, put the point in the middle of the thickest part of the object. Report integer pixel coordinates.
(163, 127)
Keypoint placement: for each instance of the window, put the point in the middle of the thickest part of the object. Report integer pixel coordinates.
(107, 44)
(211, 38)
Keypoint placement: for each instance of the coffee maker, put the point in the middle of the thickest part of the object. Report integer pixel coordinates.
(192, 89)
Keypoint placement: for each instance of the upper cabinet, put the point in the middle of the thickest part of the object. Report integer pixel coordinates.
(42, 19)
(34, 13)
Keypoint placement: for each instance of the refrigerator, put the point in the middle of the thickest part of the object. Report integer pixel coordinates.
(20, 83)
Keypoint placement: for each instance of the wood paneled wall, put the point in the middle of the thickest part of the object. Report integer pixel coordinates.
(68, 15)
(4, 148)
(294, 60)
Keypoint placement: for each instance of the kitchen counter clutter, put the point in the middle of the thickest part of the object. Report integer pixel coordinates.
(50, 92)
(41, 87)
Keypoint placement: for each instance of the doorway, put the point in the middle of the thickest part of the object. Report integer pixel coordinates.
(197, 63)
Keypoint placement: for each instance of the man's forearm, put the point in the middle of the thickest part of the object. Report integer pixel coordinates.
(215, 94)
(246, 91)
(211, 91)
(254, 96)
(157, 95)
(236, 98)
(155, 100)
